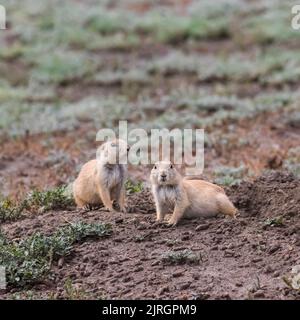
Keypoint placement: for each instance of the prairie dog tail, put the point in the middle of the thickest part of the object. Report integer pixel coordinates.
(226, 206)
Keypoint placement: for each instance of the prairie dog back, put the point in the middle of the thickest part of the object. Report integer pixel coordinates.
(206, 199)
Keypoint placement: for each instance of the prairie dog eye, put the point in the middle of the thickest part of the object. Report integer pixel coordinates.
(155, 167)
(171, 166)
(113, 144)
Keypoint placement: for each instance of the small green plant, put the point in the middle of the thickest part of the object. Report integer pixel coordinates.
(143, 237)
(10, 211)
(259, 27)
(171, 242)
(275, 222)
(117, 41)
(61, 67)
(55, 199)
(132, 187)
(72, 292)
(293, 280)
(181, 257)
(30, 260)
(105, 22)
(25, 295)
(131, 77)
(12, 52)
(228, 176)
(2, 238)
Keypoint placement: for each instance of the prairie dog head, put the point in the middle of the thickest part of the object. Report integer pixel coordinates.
(164, 173)
(113, 152)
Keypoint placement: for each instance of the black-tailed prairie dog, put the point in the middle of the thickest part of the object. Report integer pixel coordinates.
(102, 180)
(186, 198)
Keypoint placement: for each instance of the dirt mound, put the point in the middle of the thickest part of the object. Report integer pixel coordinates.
(272, 194)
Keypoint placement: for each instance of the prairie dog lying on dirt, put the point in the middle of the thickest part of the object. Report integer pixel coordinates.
(102, 180)
(186, 198)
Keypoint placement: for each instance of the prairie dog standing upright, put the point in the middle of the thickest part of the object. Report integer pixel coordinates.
(102, 180)
(186, 198)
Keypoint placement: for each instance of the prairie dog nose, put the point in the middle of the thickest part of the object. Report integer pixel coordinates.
(163, 175)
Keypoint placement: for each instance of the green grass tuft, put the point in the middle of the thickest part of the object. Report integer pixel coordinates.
(132, 187)
(55, 199)
(181, 257)
(228, 176)
(293, 280)
(30, 260)
(275, 222)
(11, 211)
(62, 67)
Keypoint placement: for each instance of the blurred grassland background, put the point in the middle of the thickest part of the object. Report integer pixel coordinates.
(69, 64)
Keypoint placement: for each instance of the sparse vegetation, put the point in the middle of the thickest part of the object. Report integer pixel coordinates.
(41, 201)
(267, 67)
(10, 211)
(74, 293)
(27, 295)
(293, 280)
(55, 199)
(172, 242)
(132, 77)
(29, 260)
(227, 176)
(133, 187)
(275, 222)
(62, 67)
(181, 257)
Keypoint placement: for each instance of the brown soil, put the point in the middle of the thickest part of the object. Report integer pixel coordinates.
(240, 259)
(273, 194)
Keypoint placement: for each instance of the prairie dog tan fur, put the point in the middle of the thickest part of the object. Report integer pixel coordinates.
(186, 198)
(102, 180)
